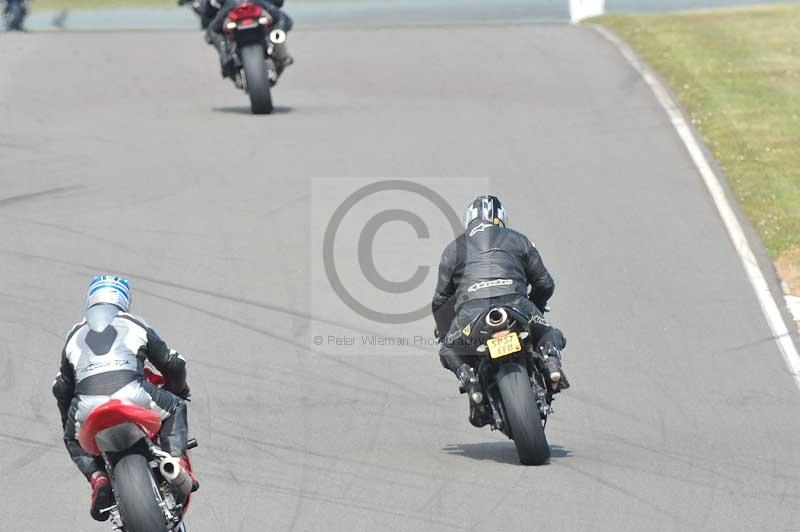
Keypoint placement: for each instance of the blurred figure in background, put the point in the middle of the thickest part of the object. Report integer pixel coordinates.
(14, 13)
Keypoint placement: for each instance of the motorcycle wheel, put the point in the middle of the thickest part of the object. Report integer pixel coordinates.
(522, 414)
(136, 495)
(256, 78)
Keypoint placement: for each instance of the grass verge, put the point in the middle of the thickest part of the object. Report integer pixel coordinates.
(737, 73)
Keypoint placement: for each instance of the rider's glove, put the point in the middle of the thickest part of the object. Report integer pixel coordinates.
(185, 394)
(440, 338)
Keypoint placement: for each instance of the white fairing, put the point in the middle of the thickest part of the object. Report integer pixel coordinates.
(99, 317)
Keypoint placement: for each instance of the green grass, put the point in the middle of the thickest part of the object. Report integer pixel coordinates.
(737, 73)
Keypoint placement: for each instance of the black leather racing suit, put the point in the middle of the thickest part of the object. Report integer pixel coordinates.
(215, 36)
(485, 266)
(96, 367)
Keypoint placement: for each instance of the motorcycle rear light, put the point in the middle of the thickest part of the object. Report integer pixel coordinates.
(246, 11)
(500, 334)
(230, 25)
(263, 20)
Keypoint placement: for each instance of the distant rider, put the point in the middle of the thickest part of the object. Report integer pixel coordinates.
(99, 365)
(14, 14)
(490, 264)
(217, 10)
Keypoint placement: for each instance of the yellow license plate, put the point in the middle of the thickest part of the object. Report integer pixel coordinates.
(506, 345)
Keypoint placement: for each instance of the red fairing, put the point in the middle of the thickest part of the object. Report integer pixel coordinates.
(113, 413)
(153, 377)
(246, 10)
(188, 497)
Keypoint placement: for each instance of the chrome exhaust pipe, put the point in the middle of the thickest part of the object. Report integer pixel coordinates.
(277, 36)
(176, 475)
(496, 318)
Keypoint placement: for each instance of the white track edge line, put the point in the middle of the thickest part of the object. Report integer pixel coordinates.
(769, 306)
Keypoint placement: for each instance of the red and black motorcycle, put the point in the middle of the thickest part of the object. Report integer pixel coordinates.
(251, 34)
(151, 489)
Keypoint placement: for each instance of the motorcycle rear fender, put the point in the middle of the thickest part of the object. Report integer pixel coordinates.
(250, 35)
(477, 325)
(114, 413)
(119, 437)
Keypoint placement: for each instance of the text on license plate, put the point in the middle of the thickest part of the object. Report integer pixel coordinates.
(500, 347)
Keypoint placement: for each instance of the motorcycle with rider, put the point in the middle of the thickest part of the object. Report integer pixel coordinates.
(250, 38)
(122, 395)
(489, 306)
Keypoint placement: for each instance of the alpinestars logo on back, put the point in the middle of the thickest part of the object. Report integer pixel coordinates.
(479, 228)
(488, 284)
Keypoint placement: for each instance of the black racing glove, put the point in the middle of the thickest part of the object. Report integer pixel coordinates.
(185, 394)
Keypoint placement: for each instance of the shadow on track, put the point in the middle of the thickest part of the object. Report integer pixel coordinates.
(245, 110)
(502, 452)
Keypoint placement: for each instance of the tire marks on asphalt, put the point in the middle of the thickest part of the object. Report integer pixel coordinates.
(30, 196)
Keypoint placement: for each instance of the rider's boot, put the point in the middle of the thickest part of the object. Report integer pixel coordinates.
(282, 57)
(466, 376)
(472, 387)
(552, 362)
(226, 62)
(102, 496)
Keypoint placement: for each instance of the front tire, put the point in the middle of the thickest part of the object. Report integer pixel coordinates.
(522, 414)
(256, 78)
(134, 489)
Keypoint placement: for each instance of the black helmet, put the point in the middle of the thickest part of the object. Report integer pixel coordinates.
(486, 208)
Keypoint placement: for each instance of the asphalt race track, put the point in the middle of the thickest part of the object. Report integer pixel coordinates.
(364, 13)
(126, 152)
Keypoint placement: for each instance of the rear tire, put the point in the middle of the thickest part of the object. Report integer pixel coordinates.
(256, 79)
(138, 505)
(522, 414)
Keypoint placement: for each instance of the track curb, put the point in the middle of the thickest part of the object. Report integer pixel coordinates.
(716, 188)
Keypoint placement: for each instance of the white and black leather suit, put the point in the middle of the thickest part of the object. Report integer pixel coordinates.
(485, 266)
(99, 366)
